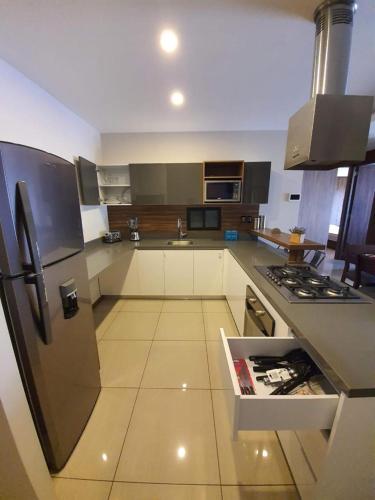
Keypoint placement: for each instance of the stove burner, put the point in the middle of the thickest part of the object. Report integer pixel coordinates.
(334, 292)
(304, 293)
(289, 271)
(290, 282)
(318, 281)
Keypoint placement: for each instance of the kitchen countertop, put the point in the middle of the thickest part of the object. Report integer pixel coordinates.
(340, 337)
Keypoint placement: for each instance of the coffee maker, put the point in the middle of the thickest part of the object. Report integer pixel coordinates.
(133, 226)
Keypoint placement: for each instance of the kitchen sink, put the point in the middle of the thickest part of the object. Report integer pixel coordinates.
(180, 243)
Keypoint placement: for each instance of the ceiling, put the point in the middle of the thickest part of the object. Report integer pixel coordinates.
(242, 64)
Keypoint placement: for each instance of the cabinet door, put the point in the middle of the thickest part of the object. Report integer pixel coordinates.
(121, 278)
(208, 272)
(256, 182)
(88, 181)
(178, 272)
(235, 282)
(148, 184)
(151, 272)
(184, 183)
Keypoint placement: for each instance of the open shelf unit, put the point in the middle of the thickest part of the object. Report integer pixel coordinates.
(114, 184)
(223, 169)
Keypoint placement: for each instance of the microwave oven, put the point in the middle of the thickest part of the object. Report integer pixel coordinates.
(222, 191)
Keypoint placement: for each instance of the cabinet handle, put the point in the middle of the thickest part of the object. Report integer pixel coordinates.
(260, 313)
(251, 300)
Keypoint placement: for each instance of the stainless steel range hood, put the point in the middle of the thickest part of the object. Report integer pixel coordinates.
(332, 128)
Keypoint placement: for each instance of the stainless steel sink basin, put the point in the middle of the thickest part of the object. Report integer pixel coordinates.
(180, 243)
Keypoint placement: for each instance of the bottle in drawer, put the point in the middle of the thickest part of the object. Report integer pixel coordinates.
(243, 376)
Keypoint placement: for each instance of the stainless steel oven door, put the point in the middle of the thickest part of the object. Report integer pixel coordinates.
(258, 321)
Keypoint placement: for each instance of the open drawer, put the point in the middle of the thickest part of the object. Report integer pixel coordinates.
(266, 412)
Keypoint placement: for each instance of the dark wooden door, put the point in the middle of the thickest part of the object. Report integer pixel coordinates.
(318, 188)
(361, 225)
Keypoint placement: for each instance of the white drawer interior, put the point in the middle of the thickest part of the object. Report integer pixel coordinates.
(263, 411)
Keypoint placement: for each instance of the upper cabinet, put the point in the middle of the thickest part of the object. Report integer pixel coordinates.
(166, 183)
(88, 182)
(184, 183)
(149, 183)
(103, 185)
(114, 184)
(256, 182)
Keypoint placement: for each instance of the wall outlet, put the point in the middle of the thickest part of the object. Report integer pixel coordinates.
(243, 218)
(249, 219)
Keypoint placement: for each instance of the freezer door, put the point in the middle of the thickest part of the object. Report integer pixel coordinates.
(61, 379)
(53, 192)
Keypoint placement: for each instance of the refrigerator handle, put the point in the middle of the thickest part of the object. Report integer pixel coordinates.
(36, 276)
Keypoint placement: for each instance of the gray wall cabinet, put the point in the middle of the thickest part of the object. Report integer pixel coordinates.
(256, 182)
(166, 183)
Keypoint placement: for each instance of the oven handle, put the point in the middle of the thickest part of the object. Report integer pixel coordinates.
(255, 316)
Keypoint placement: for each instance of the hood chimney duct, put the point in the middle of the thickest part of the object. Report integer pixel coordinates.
(331, 130)
(333, 36)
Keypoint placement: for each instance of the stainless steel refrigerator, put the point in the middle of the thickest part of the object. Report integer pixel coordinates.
(45, 295)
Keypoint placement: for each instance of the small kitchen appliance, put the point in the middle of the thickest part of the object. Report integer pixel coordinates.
(112, 237)
(133, 226)
(300, 284)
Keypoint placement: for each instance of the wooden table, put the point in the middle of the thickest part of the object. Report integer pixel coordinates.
(296, 250)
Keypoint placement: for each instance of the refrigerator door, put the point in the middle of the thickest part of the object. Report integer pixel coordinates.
(61, 379)
(53, 193)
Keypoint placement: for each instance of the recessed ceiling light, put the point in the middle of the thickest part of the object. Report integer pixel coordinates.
(168, 41)
(177, 98)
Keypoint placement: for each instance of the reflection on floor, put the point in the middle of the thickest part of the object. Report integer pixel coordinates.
(160, 428)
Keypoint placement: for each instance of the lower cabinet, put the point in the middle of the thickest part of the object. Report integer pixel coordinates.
(208, 272)
(235, 281)
(151, 272)
(234, 288)
(179, 272)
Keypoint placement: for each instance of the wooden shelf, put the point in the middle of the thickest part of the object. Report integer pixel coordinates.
(223, 169)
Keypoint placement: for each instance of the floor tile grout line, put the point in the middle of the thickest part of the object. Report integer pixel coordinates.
(212, 409)
(269, 485)
(133, 409)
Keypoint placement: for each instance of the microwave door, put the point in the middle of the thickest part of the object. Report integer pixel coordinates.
(221, 191)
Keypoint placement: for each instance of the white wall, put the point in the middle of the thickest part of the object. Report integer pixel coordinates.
(23, 471)
(31, 116)
(200, 146)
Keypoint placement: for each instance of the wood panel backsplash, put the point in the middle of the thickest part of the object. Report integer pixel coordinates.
(163, 218)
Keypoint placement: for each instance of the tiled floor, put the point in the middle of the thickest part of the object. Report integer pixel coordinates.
(159, 430)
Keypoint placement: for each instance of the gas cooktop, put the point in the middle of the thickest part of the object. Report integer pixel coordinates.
(301, 284)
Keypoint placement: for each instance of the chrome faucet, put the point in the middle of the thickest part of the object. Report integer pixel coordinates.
(180, 233)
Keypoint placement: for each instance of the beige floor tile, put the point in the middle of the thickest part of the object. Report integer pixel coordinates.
(103, 321)
(170, 439)
(255, 458)
(219, 376)
(132, 326)
(142, 305)
(97, 452)
(108, 304)
(77, 489)
(122, 362)
(127, 491)
(260, 493)
(213, 321)
(182, 306)
(215, 306)
(180, 326)
(176, 364)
